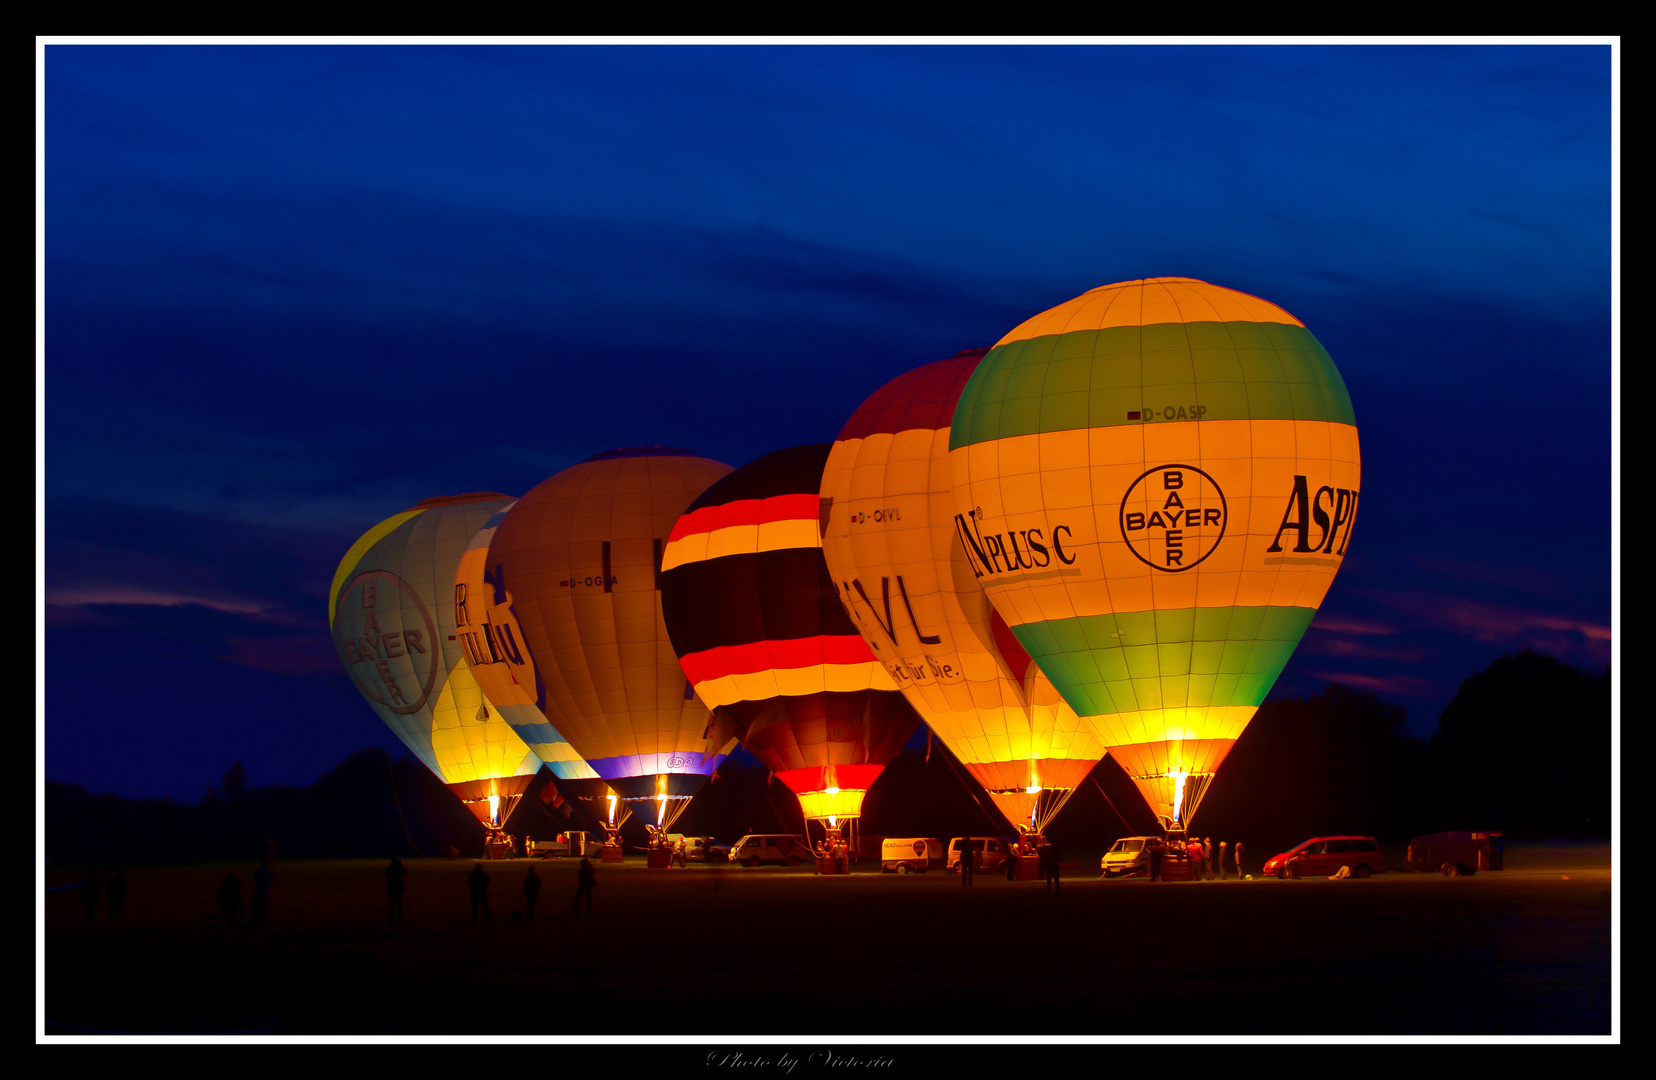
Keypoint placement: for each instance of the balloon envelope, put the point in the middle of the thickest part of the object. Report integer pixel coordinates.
(762, 635)
(493, 644)
(392, 614)
(579, 557)
(890, 542)
(1155, 483)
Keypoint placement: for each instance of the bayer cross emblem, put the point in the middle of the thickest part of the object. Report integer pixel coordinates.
(388, 640)
(1173, 517)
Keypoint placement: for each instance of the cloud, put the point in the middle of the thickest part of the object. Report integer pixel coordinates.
(1382, 684)
(1495, 623)
(1346, 624)
(86, 595)
(1323, 645)
(106, 554)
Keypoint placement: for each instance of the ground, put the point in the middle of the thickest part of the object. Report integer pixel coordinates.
(777, 951)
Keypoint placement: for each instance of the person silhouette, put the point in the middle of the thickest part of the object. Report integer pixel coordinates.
(1237, 852)
(585, 879)
(262, 877)
(531, 889)
(1049, 854)
(966, 861)
(91, 886)
(229, 897)
(479, 882)
(116, 889)
(1219, 863)
(394, 889)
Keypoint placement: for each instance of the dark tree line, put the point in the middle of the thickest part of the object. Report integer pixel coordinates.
(369, 804)
(1523, 748)
(1526, 743)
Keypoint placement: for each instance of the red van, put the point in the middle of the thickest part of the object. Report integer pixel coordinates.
(1324, 855)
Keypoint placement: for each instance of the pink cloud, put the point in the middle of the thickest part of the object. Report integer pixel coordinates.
(1493, 622)
(86, 595)
(1395, 684)
(1325, 645)
(1344, 624)
(74, 615)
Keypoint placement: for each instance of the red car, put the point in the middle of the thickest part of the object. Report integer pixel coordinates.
(1324, 855)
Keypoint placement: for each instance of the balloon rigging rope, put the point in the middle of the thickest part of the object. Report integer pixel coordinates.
(1053, 806)
(779, 818)
(971, 788)
(1101, 791)
(392, 773)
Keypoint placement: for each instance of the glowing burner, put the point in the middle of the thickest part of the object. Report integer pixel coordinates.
(1178, 794)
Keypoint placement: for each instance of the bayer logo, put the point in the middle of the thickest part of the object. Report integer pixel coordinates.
(1173, 517)
(388, 640)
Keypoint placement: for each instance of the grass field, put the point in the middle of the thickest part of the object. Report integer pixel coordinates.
(777, 951)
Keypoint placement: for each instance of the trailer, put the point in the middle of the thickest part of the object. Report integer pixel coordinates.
(1455, 853)
(566, 844)
(911, 854)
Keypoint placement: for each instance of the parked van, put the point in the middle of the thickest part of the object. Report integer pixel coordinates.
(704, 849)
(756, 848)
(1456, 853)
(1324, 855)
(910, 854)
(991, 852)
(1129, 856)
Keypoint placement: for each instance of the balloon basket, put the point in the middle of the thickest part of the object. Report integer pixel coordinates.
(609, 854)
(657, 858)
(1180, 870)
(826, 865)
(1028, 868)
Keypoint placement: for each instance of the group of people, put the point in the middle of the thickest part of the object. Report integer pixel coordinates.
(1206, 862)
(1042, 848)
(586, 879)
(834, 849)
(114, 890)
(230, 901)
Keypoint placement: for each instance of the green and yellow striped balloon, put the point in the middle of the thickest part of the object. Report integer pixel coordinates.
(1156, 484)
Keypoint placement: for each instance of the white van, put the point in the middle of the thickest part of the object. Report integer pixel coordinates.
(1128, 857)
(911, 854)
(756, 848)
(990, 853)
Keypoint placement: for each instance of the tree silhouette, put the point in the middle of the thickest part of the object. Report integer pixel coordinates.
(1525, 748)
(234, 784)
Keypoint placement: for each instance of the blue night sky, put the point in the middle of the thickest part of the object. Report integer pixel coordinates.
(291, 290)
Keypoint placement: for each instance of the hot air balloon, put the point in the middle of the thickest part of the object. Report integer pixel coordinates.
(890, 542)
(493, 645)
(579, 557)
(763, 637)
(392, 613)
(1155, 483)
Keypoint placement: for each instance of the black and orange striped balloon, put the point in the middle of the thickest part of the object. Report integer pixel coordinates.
(761, 634)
